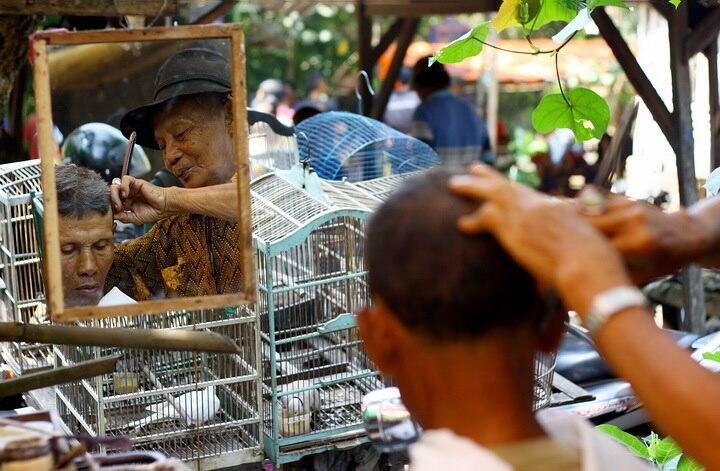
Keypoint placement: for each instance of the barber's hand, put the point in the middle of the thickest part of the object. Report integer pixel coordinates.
(652, 242)
(550, 239)
(136, 201)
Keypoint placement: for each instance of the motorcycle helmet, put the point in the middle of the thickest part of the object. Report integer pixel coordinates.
(101, 147)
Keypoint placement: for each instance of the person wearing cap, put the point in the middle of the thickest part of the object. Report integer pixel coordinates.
(190, 121)
(557, 244)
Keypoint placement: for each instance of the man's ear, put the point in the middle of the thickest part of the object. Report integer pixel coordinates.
(382, 335)
(553, 328)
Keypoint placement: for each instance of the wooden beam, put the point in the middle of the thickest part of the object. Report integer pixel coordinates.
(418, 8)
(636, 75)
(693, 293)
(386, 40)
(221, 9)
(365, 51)
(407, 34)
(712, 55)
(663, 7)
(703, 34)
(610, 160)
(88, 7)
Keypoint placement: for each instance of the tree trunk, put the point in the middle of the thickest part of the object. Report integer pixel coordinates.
(14, 32)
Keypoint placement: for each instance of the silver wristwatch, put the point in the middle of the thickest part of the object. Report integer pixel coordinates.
(610, 302)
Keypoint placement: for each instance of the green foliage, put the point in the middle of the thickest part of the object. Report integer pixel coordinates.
(607, 3)
(662, 451)
(688, 464)
(633, 443)
(665, 453)
(675, 3)
(288, 46)
(715, 356)
(582, 111)
(468, 45)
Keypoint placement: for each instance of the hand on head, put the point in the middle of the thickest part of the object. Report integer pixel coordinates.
(549, 238)
(136, 201)
(653, 243)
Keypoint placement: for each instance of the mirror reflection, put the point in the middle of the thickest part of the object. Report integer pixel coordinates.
(165, 122)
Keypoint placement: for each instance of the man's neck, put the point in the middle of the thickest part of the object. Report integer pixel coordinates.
(482, 392)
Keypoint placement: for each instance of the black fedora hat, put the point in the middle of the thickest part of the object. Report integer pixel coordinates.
(187, 72)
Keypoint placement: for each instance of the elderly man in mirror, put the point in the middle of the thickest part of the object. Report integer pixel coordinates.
(190, 121)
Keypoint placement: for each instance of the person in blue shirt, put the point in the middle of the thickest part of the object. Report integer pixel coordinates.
(446, 122)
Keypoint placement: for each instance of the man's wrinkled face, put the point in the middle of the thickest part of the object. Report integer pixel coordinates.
(86, 254)
(196, 142)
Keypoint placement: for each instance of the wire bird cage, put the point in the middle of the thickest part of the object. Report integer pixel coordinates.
(23, 294)
(200, 407)
(269, 151)
(349, 146)
(308, 236)
(544, 371)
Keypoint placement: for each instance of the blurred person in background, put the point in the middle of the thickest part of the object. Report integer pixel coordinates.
(402, 103)
(449, 124)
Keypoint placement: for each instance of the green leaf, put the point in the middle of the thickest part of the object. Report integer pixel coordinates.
(467, 45)
(688, 464)
(664, 450)
(675, 3)
(712, 356)
(533, 14)
(586, 114)
(549, 11)
(633, 443)
(607, 3)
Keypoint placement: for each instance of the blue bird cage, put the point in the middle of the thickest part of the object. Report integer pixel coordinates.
(343, 145)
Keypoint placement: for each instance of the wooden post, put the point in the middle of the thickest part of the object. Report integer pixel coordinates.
(693, 293)
(407, 34)
(386, 40)
(365, 50)
(48, 149)
(636, 75)
(712, 56)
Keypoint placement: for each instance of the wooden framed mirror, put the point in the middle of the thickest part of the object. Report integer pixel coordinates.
(184, 262)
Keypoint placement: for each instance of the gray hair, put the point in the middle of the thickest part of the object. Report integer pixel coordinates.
(80, 191)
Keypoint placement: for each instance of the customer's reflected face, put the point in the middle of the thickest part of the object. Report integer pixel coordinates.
(86, 254)
(196, 141)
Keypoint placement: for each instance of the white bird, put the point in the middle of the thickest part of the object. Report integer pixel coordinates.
(301, 402)
(194, 407)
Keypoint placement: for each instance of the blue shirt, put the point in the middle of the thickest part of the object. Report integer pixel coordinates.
(452, 127)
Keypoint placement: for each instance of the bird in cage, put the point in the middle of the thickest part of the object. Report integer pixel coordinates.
(194, 407)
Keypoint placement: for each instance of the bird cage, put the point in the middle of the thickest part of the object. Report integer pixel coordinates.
(23, 295)
(202, 408)
(271, 145)
(348, 146)
(308, 236)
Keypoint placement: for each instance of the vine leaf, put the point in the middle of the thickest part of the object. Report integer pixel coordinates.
(712, 356)
(608, 3)
(552, 10)
(688, 464)
(532, 13)
(664, 450)
(675, 3)
(633, 443)
(584, 112)
(508, 15)
(468, 45)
